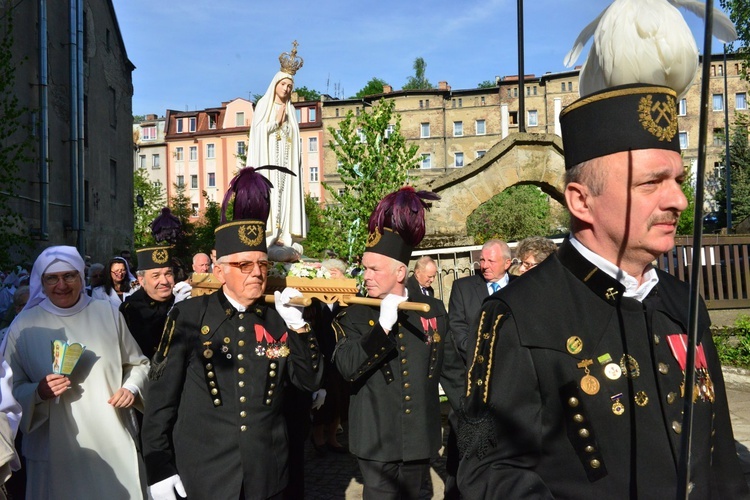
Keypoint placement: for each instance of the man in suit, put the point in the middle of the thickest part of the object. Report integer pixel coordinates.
(213, 424)
(467, 294)
(420, 283)
(576, 382)
(394, 359)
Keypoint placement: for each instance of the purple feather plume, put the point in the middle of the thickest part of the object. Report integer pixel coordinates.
(165, 227)
(251, 193)
(403, 212)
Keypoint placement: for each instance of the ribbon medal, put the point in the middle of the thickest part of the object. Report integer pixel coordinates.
(268, 346)
(704, 386)
(427, 325)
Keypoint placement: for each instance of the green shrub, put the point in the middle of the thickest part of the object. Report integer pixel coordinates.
(733, 344)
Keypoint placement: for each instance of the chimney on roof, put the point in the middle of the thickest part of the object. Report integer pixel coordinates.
(150, 117)
(443, 85)
(387, 89)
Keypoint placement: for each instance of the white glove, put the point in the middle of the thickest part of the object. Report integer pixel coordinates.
(164, 489)
(181, 291)
(292, 315)
(389, 310)
(318, 397)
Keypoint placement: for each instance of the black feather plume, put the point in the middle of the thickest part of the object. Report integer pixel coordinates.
(403, 212)
(251, 193)
(165, 227)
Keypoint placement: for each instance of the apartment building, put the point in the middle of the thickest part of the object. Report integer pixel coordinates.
(311, 137)
(150, 152)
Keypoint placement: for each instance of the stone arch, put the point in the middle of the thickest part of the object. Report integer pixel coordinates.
(518, 159)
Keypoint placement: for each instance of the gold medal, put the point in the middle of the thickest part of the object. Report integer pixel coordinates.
(617, 407)
(641, 398)
(589, 385)
(208, 353)
(436, 337)
(574, 344)
(283, 351)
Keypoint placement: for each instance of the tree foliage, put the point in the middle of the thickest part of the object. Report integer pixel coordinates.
(514, 214)
(739, 13)
(418, 81)
(739, 158)
(487, 84)
(182, 209)
(307, 94)
(373, 160)
(16, 143)
(685, 223)
(153, 202)
(317, 234)
(374, 86)
(203, 235)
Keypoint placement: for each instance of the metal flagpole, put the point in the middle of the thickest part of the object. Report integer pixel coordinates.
(683, 478)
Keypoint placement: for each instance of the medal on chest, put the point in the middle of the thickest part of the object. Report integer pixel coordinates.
(589, 383)
(269, 347)
(704, 386)
(429, 325)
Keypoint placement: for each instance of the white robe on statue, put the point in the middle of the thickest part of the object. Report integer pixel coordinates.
(270, 144)
(77, 445)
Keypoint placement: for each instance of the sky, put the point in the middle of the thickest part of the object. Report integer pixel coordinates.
(196, 54)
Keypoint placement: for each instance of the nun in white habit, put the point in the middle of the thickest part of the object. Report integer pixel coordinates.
(77, 439)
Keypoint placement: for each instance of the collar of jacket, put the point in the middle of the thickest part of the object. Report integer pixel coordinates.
(258, 307)
(600, 283)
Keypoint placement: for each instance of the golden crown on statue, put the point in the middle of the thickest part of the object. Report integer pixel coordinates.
(290, 63)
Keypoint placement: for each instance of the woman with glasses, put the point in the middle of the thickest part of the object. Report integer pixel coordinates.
(77, 441)
(532, 251)
(118, 282)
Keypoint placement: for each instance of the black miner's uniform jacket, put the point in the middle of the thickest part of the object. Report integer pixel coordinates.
(538, 427)
(213, 411)
(394, 411)
(145, 318)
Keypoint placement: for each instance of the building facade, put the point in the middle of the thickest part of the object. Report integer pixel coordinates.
(74, 87)
(150, 152)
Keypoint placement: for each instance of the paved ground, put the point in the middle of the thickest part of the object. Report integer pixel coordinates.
(334, 476)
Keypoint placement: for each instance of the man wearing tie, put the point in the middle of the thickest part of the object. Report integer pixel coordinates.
(467, 294)
(420, 283)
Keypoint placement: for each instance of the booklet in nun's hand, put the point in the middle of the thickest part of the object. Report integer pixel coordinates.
(65, 356)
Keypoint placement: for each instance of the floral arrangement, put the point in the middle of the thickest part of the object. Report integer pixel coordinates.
(310, 270)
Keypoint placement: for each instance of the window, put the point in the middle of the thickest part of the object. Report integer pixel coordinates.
(718, 101)
(421, 104)
(515, 91)
(178, 122)
(481, 128)
(298, 114)
(211, 179)
(534, 90)
(179, 154)
(563, 86)
(113, 178)
(240, 148)
(683, 107)
(533, 118)
(141, 161)
(426, 103)
(195, 210)
(157, 184)
(460, 103)
(337, 112)
(193, 122)
(528, 91)
(312, 114)
(570, 86)
(112, 108)
(740, 100)
(683, 140)
(425, 131)
(458, 160)
(193, 153)
(458, 129)
(426, 160)
(239, 119)
(211, 122)
(718, 137)
(210, 151)
(149, 133)
(314, 174)
(342, 191)
(482, 101)
(453, 103)
(155, 162)
(194, 181)
(313, 144)
(361, 135)
(721, 69)
(480, 153)
(180, 180)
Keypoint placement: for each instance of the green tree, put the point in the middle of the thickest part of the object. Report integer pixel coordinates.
(487, 84)
(374, 86)
(418, 81)
(374, 160)
(210, 219)
(181, 208)
(153, 201)
(139, 118)
(16, 143)
(307, 94)
(739, 158)
(739, 13)
(317, 234)
(685, 223)
(516, 213)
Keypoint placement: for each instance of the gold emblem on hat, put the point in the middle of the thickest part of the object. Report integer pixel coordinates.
(658, 118)
(160, 256)
(373, 238)
(250, 234)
